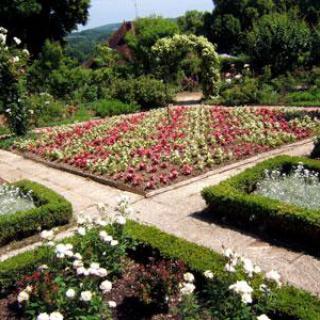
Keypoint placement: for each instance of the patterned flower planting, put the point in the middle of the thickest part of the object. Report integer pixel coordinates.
(154, 149)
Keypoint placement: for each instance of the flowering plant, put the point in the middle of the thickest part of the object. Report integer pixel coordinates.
(13, 62)
(149, 150)
(72, 284)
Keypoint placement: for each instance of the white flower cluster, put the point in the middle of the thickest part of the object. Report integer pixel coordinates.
(242, 287)
(66, 250)
(52, 316)
(105, 237)
(24, 295)
(187, 287)
(93, 270)
(235, 260)
(244, 290)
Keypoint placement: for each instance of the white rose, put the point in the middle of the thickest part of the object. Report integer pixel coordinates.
(23, 296)
(17, 40)
(102, 272)
(86, 296)
(113, 304)
(106, 286)
(82, 231)
(208, 274)
(246, 298)
(114, 243)
(77, 256)
(43, 316)
(71, 293)
(187, 288)
(56, 316)
(263, 317)
(188, 277)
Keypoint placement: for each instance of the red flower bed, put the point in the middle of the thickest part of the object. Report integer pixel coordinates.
(150, 150)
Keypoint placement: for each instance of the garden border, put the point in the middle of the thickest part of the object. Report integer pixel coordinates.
(288, 300)
(52, 210)
(121, 186)
(232, 199)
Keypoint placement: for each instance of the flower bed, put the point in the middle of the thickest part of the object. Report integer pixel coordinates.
(50, 210)
(130, 271)
(236, 200)
(150, 150)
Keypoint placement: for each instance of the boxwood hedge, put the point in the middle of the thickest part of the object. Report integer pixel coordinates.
(233, 199)
(287, 300)
(51, 210)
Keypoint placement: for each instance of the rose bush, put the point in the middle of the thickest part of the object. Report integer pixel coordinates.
(81, 274)
(13, 61)
(153, 149)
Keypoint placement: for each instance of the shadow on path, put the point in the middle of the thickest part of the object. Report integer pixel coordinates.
(207, 215)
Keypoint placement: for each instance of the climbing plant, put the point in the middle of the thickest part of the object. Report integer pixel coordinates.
(171, 50)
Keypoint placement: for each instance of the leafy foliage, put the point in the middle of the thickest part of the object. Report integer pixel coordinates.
(280, 41)
(146, 32)
(35, 21)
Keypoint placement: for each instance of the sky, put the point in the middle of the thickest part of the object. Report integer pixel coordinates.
(109, 11)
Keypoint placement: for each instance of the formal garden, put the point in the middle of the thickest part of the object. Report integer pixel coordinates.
(117, 201)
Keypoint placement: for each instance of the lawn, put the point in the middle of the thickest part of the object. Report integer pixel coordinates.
(150, 150)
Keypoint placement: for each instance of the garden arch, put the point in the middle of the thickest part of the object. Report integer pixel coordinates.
(168, 52)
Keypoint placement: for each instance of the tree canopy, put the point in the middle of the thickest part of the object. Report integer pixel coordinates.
(232, 19)
(35, 21)
(146, 32)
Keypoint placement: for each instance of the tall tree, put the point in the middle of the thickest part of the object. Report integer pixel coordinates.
(35, 21)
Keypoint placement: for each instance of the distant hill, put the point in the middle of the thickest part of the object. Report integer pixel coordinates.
(80, 45)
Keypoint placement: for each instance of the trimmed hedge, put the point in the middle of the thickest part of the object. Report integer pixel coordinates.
(287, 300)
(51, 210)
(233, 199)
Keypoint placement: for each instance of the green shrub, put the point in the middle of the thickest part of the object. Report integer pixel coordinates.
(241, 93)
(51, 210)
(286, 300)
(45, 109)
(233, 199)
(145, 91)
(281, 41)
(107, 108)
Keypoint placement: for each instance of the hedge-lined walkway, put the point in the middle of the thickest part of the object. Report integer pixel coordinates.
(177, 211)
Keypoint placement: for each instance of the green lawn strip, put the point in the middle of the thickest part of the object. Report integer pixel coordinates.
(51, 210)
(232, 198)
(288, 300)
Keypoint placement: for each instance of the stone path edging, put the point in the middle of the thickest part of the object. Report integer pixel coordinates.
(238, 164)
(178, 211)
